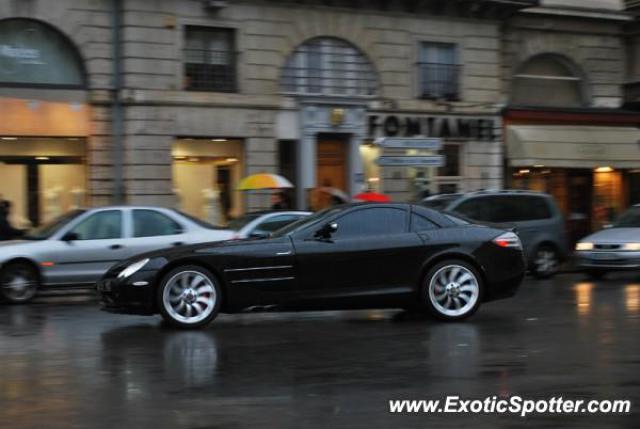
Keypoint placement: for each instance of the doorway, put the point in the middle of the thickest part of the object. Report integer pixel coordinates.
(331, 159)
(579, 203)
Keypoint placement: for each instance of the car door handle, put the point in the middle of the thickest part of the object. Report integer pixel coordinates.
(177, 243)
(116, 246)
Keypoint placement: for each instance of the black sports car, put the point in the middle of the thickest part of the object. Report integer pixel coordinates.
(346, 257)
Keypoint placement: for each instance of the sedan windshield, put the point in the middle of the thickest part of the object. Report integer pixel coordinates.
(50, 228)
(629, 219)
(305, 222)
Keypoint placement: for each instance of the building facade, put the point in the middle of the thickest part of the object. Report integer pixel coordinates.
(206, 92)
(566, 128)
(172, 102)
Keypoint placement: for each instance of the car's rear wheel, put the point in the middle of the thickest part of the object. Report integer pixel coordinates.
(452, 290)
(19, 283)
(189, 297)
(545, 262)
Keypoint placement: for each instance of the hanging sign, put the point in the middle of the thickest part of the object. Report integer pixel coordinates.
(411, 161)
(425, 143)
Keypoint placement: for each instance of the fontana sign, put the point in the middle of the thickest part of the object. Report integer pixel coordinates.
(455, 127)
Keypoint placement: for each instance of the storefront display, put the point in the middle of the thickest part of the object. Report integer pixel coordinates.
(205, 176)
(587, 162)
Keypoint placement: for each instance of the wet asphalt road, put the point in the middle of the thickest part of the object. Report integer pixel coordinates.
(65, 364)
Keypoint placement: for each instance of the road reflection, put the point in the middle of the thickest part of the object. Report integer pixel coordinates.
(584, 295)
(632, 298)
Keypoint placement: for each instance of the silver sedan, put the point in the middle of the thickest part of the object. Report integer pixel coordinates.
(80, 246)
(262, 224)
(615, 248)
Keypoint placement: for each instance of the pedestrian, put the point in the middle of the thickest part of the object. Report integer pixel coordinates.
(280, 201)
(7, 232)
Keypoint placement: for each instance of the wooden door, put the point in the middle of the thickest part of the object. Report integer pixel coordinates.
(332, 163)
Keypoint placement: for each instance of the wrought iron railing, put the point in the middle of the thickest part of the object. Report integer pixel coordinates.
(210, 70)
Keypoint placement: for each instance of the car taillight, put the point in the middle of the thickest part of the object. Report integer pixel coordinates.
(508, 239)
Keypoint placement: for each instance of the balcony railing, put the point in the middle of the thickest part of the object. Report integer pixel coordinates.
(439, 81)
(210, 70)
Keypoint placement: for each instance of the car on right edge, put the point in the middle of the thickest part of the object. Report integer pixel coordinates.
(615, 248)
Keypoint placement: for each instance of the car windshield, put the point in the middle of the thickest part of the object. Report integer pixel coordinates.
(50, 228)
(629, 219)
(239, 223)
(305, 222)
(198, 222)
(440, 202)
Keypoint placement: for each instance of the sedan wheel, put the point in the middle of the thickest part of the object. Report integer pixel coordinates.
(189, 297)
(545, 262)
(454, 290)
(18, 283)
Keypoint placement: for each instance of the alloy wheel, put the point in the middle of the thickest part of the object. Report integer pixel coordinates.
(454, 290)
(189, 297)
(19, 284)
(545, 262)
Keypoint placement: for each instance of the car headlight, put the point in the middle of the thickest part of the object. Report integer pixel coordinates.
(132, 269)
(631, 246)
(584, 245)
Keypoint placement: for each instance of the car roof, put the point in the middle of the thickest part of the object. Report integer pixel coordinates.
(268, 212)
(126, 206)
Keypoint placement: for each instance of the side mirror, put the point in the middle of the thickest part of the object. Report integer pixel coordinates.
(259, 234)
(326, 230)
(70, 236)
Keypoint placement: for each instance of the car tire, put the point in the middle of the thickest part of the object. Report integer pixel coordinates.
(452, 290)
(595, 274)
(19, 283)
(189, 297)
(545, 262)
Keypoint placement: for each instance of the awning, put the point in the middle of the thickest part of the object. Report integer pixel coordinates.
(573, 146)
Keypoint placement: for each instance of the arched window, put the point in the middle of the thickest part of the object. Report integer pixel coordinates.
(548, 80)
(328, 66)
(35, 54)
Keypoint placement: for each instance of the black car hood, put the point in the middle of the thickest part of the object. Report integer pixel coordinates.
(178, 252)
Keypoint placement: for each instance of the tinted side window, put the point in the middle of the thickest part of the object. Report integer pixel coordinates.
(421, 223)
(100, 226)
(537, 208)
(475, 208)
(370, 222)
(276, 222)
(150, 223)
(518, 208)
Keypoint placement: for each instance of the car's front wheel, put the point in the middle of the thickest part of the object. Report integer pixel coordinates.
(19, 283)
(452, 290)
(189, 297)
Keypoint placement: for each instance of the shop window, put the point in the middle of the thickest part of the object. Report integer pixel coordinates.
(209, 59)
(34, 54)
(438, 71)
(548, 80)
(150, 223)
(103, 225)
(451, 166)
(328, 66)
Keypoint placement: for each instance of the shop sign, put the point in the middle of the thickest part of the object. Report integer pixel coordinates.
(411, 161)
(462, 127)
(409, 143)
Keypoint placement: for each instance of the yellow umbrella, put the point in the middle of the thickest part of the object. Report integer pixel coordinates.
(263, 181)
